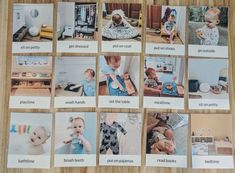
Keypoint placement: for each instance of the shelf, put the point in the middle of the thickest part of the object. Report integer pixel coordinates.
(31, 87)
(31, 78)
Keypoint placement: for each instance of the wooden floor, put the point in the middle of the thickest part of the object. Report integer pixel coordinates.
(5, 76)
(152, 37)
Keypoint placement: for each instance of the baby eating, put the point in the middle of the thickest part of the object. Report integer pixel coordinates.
(209, 33)
(152, 82)
(37, 138)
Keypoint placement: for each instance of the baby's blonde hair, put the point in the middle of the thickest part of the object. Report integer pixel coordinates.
(212, 13)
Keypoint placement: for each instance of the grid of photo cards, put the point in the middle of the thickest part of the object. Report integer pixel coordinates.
(93, 56)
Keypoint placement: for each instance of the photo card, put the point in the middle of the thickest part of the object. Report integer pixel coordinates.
(75, 82)
(212, 145)
(209, 84)
(75, 139)
(208, 31)
(165, 30)
(167, 140)
(164, 82)
(77, 27)
(31, 82)
(29, 140)
(122, 27)
(32, 28)
(120, 139)
(119, 81)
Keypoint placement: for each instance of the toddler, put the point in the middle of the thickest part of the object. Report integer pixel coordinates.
(118, 27)
(110, 70)
(209, 33)
(170, 27)
(88, 83)
(152, 82)
(78, 141)
(37, 138)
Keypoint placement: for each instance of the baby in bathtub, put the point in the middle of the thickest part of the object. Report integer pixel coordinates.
(37, 138)
(78, 141)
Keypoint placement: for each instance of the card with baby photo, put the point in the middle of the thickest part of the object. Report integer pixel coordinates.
(75, 139)
(119, 81)
(212, 145)
(31, 82)
(165, 30)
(209, 85)
(77, 27)
(164, 82)
(75, 82)
(120, 139)
(208, 31)
(29, 140)
(32, 28)
(121, 27)
(167, 139)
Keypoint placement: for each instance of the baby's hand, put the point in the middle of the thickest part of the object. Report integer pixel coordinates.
(199, 34)
(121, 88)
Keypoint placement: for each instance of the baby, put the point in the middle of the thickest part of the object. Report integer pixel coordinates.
(78, 141)
(170, 27)
(118, 27)
(160, 135)
(152, 82)
(209, 33)
(110, 70)
(88, 83)
(37, 138)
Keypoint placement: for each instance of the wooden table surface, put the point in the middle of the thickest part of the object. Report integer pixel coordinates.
(5, 81)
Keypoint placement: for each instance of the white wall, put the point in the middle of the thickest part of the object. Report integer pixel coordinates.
(206, 70)
(180, 20)
(45, 15)
(74, 68)
(65, 14)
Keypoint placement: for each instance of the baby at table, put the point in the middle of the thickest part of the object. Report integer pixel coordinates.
(152, 82)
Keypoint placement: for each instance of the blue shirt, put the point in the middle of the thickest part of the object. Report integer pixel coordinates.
(89, 87)
(76, 147)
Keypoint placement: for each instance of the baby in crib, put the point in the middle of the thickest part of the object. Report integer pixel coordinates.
(209, 33)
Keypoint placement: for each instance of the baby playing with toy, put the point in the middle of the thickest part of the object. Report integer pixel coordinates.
(78, 141)
(209, 33)
(38, 137)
